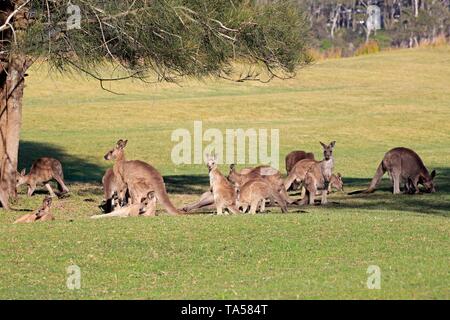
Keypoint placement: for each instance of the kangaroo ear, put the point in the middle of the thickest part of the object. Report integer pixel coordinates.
(332, 144)
(232, 166)
(433, 174)
(339, 175)
(23, 172)
(323, 144)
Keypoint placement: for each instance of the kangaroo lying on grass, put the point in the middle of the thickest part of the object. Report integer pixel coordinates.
(403, 165)
(145, 208)
(271, 175)
(42, 214)
(139, 177)
(324, 167)
(42, 171)
(254, 194)
(223, 192)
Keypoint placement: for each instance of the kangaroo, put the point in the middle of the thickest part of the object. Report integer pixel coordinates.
(336, 182)
(138, 173)
(301, 168)
(115, 191)
(294, 157)
(254, 194)
(223, 192)
(273, 176)
(42, 171)
(42, 214)
(239, 179)
(403, 165)
(147, 207)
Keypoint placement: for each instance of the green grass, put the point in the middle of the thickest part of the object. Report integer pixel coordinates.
(368, 104)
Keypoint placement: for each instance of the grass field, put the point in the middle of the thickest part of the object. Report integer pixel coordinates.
(367, 104)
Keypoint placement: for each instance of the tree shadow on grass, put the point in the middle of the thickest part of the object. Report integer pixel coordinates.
(75, 169)
(187, 184)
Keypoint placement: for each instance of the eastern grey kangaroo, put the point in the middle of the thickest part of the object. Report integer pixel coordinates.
(42, 171)
(403, 165)
(140, 178)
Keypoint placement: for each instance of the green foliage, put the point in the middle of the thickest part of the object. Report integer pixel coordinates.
(171, 38)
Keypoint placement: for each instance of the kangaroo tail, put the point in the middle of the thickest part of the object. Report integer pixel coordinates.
(162, 197)
(381, 170)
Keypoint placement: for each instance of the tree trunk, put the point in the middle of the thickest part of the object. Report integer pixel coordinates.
(11, 94)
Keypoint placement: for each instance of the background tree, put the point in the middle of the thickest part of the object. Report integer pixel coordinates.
(150, 40)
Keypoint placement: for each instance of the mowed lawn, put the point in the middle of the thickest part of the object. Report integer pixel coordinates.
(367, 104)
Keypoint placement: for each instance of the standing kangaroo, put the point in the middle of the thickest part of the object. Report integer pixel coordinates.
(271, 175)
(403, 165)
(321, 170)
(254, 194)
(42, 171)
(42, 214)
(135, 174)
(294, 157)
(115, 191)
(223, 192)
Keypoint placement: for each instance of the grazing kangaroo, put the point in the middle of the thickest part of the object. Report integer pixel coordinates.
(254, 194)
(223, 192)
(336, 182)
(42, 171)
(301, 168)
(135, 174)
(273, 176)
(403, 165)
(145, 208)
(42, 214)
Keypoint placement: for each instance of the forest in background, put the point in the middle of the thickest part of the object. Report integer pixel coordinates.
(341, 27)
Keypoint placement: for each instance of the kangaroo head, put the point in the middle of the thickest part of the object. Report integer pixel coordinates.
(46, 203)
(118, 149)
(211, 161)
(428, 182)
(146, 201)
(328, 150)
(336, 182)
(232, 175)
(21, 178)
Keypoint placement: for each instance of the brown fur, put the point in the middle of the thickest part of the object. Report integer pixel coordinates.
(42, 214)
(223, 192)
(294, 157)
(113, 190)
(147, 207)
(403, 165)
(254, 194)
(320, 173)
(43, 171)
(271, 175)
(138, 173)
